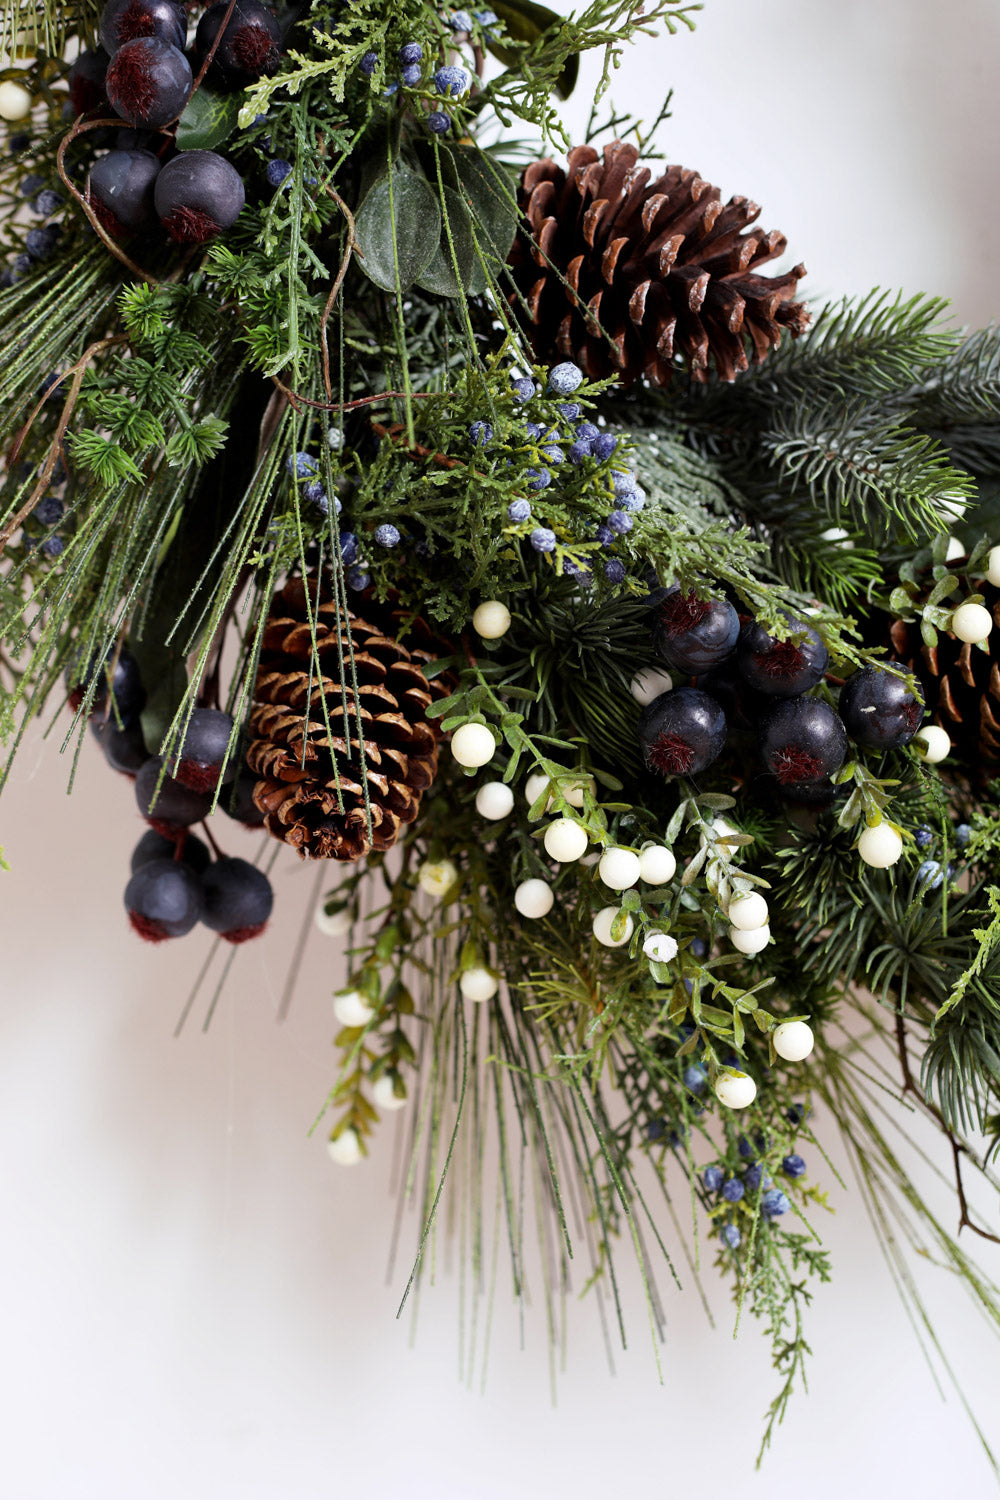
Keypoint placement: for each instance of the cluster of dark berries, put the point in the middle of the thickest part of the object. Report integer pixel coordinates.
(746, 674)
(566, 454)
(304, 472)
(175, 882)
(449, 82)
(732, 1190)
(43, 202)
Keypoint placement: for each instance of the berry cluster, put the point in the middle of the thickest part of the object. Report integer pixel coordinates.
(175, 882)
(732, 1190)
(44, 203)
(412, 85)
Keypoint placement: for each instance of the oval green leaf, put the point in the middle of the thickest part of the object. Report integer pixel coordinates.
(208, 120)
(405, 210)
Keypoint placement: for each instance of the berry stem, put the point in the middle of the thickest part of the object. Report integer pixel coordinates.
(206, 61)
(208, 834)
(78, 127)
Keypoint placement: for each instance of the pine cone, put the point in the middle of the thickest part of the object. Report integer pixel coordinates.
(306, 747)
(961, 687)
(624, 275)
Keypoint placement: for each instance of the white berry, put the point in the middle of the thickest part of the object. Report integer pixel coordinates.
(345, 1149)
(478, 984)
(657, 864)
(619, 868)
(748, 912)
(971, 623)
(955, 550)
(333, 923)
(565, 840)
(752, 940)
(993, 567)
(838, 534)
(351, 1008)
(933, 743)
(793, 1040)
(491, 620)
(734, 1089)
(880, 846)
(574, 791)
(535, 786)
(473, 745)
(384, 1094)
(650, 683)
(603, 923)
(534, 898)
(660, 947)
(437, 876)
(494, 800)
(15, 101)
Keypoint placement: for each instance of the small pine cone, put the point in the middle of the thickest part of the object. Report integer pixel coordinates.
(318, 742)
(961, 687)
(627, 276)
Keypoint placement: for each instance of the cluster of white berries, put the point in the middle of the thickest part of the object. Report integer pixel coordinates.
(749, 929)
(792, 1040)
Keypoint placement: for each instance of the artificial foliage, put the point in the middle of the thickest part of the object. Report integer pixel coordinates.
(389, 477)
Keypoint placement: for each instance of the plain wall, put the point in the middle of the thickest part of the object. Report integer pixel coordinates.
(196, 1299)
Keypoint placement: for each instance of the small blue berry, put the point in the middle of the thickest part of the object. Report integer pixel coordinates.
(368, 63)
(387, 535)
(730, 1236)
(47, 202)
(391, 88)
(438, 122)
(614, 571)
(553, 453)
(774, 1203)
(713, 1178)
(579, 451)
(699, 947)
(460, 20)
(570, 410)
(49, 511)
(632, 500)
(793, 1166)
(604, 445)
(742, 1145)
(796, 1114)
(605, 536)
(301, 465)
(579, 570)
(534, 430)
(963, 834)
(620, 521)
(358, 579)
(481, 433)
(486, 19)
(733, 1190)
(30, 184)
(410, 53)
(40, 243)
(277, 170)
(542, 539)
(519, 510)
(523, 389)
(262, 119)
(565, 378)
(924, 837)
(348, 548)
(754, 1176)
(538, 479)
(695, 1078)
(452, 81)
(587, 431)
(930, 874)
(656, 1130)
(410, 75)
(52, 546)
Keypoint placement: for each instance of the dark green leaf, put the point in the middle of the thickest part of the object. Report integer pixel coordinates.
(408, 206)
(208, 120)
(526, 22)
(490, 195)
(456, 239)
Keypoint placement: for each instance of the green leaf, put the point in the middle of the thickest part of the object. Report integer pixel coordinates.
(405, 205)
(490, 196)
(208, 120)
(456, 236)
(526, 22)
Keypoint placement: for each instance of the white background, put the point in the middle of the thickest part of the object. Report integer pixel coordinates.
(195, 1298)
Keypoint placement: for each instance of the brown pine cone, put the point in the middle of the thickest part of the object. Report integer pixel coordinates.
(961, 687)
(627, 276)
(320, 742)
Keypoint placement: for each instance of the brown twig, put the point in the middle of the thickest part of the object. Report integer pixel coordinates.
(441, 459)
(79, 127)
(964, 1221)
(349, 249)
(209, 56)
(78, 370)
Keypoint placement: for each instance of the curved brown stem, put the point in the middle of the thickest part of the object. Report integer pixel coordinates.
(79, 127)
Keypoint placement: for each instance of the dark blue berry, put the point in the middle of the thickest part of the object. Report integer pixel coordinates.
(519, 510)
(481, 433)
(743, 1146)
(348, 548)
(153, 845)
(237, 899)
(553, 453)
(523, 388)
(237, 800)
(172, 807)
(579, 451)
(249, 47)
(197, 762)
(127, 20)
(392, 87)
(802, 741)
(358, 579)
(277, 171)
(603, 445)
(368, 63)
(614, 571)
(699, 948)
(542, 539)
(53, 546)
(695, 1078)
(316, 495)
(30, 184)
(681, 732)
(656, 1130)
(197, 194)
(163, 899)
(570, 410)
(47, 202)
(754, 1176)
(963, 834)
(620, 522)
(460, 20)
(694, 635)
(713, 1178)
(122, 183)
(387, 535)
(40, 243)
(127, 692)
(730, 1236)
(931, 875)
(439, 122)
(301, 465)
(733, 1190)
(148, 82)
(586, 432)
(452, 81)
(774, 1203)
(48, 511)
(878, 710)
(538, 479)
(565, 378)
(924, 837)
(781, 668)
(409, 53)
(793, 1166)
(410, 75)
(605, 536)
